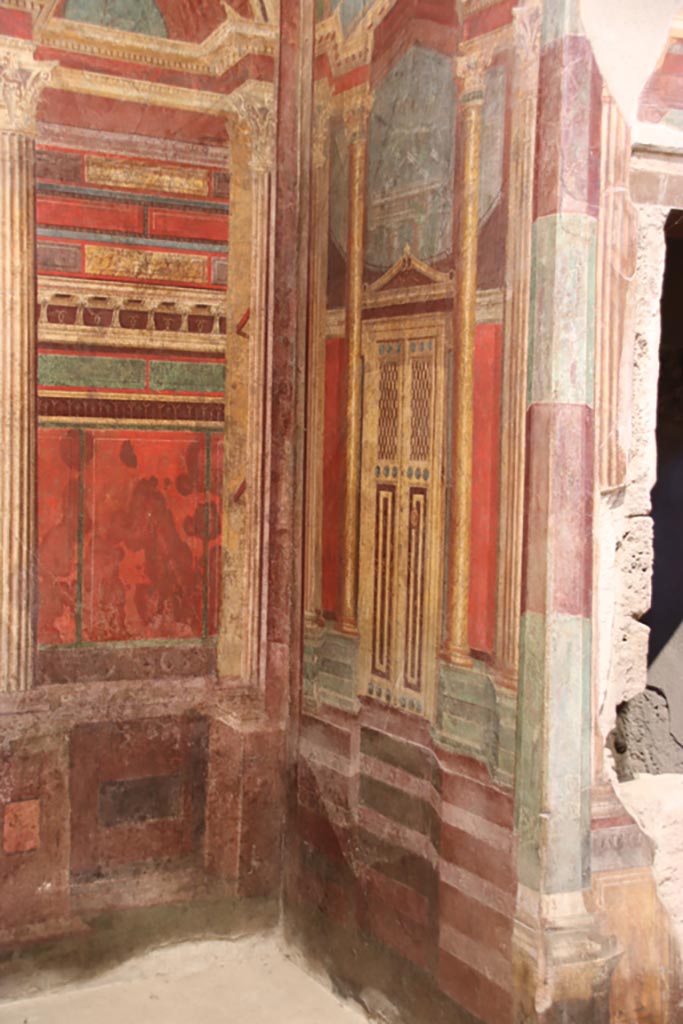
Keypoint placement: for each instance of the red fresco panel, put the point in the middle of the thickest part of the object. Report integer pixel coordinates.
(16, 23)
(77, 213)
(58, 498)
(485, 486)
(81, 111)
(214, 559)
(334, 486)
(176, 224)
(144, 536)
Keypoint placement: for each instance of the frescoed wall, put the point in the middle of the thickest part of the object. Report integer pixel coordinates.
(410, 822)
(316, 538)
(131, 388)
(122, 790)
(406, 760)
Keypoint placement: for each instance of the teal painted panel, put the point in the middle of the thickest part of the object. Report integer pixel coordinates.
(553, 752)
(141, 16)
(179, 376)
(411, 145)
(91, 372)
(562, 343)
(492, 143)
(569, 740)
(350, 11)
(530, 753)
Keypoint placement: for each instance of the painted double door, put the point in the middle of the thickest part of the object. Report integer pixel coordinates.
(402, 511)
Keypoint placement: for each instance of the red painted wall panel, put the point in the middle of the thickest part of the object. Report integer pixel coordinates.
(485, 485)
(334, 472)
(175, 224)
(144, 527)
(77, 213)
(59, 472)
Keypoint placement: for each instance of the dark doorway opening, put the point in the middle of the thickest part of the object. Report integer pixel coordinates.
(649, 733)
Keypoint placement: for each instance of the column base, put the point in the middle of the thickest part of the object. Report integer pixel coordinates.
(348, 627)
(459, 656)
(562, 962)
(313, 621)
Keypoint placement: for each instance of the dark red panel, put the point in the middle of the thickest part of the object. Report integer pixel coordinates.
(145, 525)
(177, 224)
(58, 502)
(334, 473)
(16, 23)
(33, 881)
(568, 130)
(155, 750)
(467, 987)
(558, 499)
(488, 20)
(485, 485)
(81, 111)
(78, 213)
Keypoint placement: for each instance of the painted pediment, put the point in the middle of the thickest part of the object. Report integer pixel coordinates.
(408, 273)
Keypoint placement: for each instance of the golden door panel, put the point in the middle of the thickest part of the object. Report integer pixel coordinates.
(402, 499)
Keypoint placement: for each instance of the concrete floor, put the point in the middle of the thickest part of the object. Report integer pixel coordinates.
(250, 981)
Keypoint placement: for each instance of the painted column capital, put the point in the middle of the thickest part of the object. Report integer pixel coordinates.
(471, 67)
(22, 80)
(356, 113)
(254, 106)
(526, 22)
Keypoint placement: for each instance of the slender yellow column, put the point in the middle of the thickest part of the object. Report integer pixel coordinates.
(22, 79)
(242, 596)
(527, 28)
(356, 119)
(316, 368)
(470, 70)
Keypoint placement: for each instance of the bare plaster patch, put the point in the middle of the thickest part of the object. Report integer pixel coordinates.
(628, 57)
(656, 802)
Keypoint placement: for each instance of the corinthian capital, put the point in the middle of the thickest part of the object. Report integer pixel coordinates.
(357, 107)
(471, 67)
(527, 29)
(254, 106)
(22, 79)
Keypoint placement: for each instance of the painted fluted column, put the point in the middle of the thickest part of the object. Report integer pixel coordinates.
(316, 368)
(562, 964)
(527, 25)
(356, 120)
(244, 523)
(470, 70)
(21, 80)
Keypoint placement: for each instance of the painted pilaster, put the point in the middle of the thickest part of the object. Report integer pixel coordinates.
(22, 79)
(316, 366)
(617, 231)
(356, 121)
(244, 524)
(527, 30)
(562, 964)
(470, 69)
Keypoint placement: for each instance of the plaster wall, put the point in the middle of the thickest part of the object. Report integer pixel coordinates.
(626, 58)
